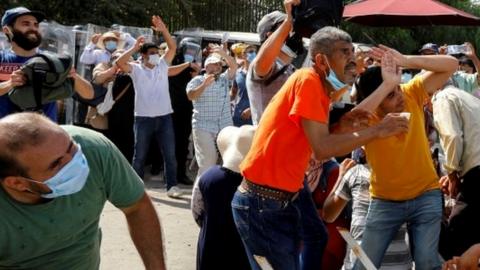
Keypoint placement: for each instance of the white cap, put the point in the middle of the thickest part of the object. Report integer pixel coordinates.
(213, 59)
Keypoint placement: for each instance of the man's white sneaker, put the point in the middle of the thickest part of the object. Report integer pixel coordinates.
(174, 192)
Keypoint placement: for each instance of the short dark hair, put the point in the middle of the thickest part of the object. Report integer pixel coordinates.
(368, 82)
(9, 166)
(466, 61)
(19, 131)
(144, 48)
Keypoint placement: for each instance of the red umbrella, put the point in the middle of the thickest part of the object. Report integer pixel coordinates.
(406, 13)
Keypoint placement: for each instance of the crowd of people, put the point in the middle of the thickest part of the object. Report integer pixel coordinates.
(378, 142)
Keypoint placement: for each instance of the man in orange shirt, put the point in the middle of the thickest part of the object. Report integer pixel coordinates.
(404, 184)
(293, 126)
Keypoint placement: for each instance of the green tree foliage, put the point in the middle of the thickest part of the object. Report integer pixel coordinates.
(235, 15)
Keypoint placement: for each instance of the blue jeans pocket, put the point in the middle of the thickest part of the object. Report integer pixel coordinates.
(241, 215)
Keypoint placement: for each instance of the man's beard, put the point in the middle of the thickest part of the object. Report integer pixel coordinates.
(24, 41)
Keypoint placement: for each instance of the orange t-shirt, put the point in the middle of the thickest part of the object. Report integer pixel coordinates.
(280, 150)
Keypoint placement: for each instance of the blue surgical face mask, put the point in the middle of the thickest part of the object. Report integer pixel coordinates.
(188, 58)
(70, 179)
(333, 79)
(251, 56)
(111, 45)
(154, 59)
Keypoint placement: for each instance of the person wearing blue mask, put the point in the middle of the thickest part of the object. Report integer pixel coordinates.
(241, 105)
(107, 43)
(54, 183)
(268, 207)
(153, 106)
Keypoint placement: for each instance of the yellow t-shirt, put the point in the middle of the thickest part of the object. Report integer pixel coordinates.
(402, 166)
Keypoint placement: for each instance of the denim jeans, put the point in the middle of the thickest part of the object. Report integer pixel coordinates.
(314, 232)
(274, 229)
(423, 216)
(268, 228)
(160, 127)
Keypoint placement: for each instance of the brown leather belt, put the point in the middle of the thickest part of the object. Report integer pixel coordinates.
(268, 192)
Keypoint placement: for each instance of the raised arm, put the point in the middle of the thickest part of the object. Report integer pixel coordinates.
(175, 70)
(232, 65)
(122, 61)
(391, 76)
(271, 48)
(146, 233)
(159, 26)
(472, 55)
(88, 55)
(102, 73)
(439, 67)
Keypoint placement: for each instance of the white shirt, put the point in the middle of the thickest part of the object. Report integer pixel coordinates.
(94, 56)
(152, 97)
(456, 116)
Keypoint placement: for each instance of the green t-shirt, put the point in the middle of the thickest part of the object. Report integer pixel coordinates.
(64, 233)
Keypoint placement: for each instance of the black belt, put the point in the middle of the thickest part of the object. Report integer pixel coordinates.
(268, 192)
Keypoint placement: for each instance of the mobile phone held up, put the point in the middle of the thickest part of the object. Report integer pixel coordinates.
(457, 49)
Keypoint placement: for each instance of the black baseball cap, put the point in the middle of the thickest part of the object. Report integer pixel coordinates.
(13, 13)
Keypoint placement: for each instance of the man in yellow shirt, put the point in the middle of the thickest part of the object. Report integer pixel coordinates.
(404, 185)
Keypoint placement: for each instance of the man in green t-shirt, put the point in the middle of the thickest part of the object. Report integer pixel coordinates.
(54, 182)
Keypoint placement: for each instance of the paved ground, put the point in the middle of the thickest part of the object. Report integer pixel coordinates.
(179, 231)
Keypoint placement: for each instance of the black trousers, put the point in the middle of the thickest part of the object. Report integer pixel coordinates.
(462, 229)
(182, 125)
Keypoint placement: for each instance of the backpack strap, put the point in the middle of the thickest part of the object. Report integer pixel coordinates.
(37, 83)
(272, 78)
(268, 81)
(123, 92)
(54, 66)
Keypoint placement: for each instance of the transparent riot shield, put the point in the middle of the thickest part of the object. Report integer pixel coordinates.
(59, 39)
(4, 44)
(130, 33)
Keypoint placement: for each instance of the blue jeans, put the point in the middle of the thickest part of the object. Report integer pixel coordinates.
(314, 232)
(268, 228)
(160, 127)
(274, 229)
(423, 216)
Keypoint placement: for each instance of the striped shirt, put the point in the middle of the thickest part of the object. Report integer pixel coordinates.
(211, 111)
(354, 186)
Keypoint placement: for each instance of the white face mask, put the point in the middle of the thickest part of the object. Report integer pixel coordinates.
(154, 59)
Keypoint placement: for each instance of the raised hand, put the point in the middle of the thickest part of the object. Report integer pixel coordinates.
(95, 38)
(470, 53)
(218, 49)
(288, 4)
(139, 42)
(378, 53)
(391, 72)
(158, 25)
